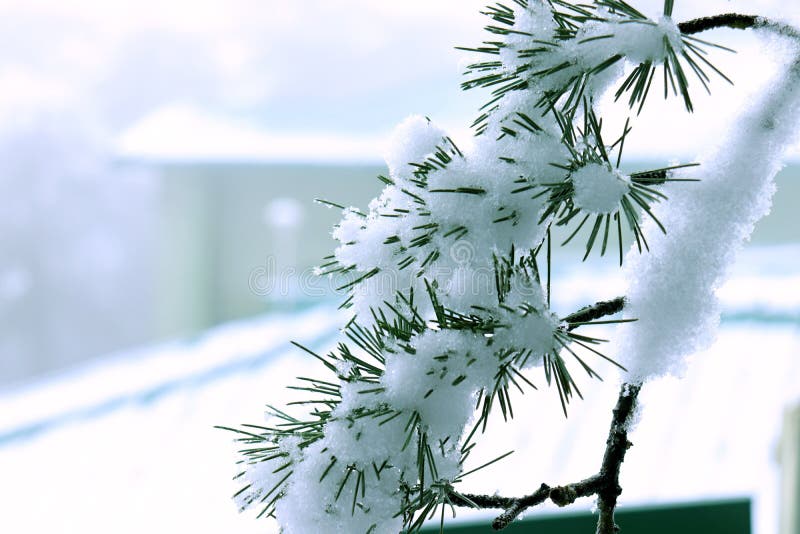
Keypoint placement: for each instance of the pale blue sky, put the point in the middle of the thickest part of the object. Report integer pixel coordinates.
(293, 80)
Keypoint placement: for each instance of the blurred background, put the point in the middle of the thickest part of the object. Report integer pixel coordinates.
(159, 163)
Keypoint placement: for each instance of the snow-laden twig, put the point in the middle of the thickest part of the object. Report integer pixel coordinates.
(604, 484)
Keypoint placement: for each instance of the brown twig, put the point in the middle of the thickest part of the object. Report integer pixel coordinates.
(616, 447)
(605, 484)
(725, 20)
(594, 312)
(736, 21)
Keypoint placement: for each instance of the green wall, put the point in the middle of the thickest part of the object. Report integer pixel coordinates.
(213, 235)
(729, 517)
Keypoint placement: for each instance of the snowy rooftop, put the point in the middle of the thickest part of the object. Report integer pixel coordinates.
(127, 444)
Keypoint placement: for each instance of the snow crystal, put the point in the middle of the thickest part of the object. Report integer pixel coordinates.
(595, 44)
(535, 22)
(645, 41)
(438, 382)
(476, 216)
(333, 510)
(533, 330)
(441, 378)
(599, 189)
(411, 141)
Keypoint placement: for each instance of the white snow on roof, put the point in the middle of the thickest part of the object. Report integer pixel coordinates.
(127, 444)
(185, 133)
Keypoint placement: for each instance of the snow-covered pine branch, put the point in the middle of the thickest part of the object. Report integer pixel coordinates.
(446, 269)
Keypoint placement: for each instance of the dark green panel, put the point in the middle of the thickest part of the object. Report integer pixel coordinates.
(728, 517)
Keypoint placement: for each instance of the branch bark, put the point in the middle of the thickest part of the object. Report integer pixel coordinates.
(594, 312)
(604, 484)
(726, 20)
(736, 21)
(616, 447)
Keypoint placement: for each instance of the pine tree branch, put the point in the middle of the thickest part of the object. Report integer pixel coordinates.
(604, 484)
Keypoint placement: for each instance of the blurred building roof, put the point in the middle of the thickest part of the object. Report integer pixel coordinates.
(127, 444)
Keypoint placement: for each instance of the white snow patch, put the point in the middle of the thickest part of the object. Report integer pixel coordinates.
(599, 189)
